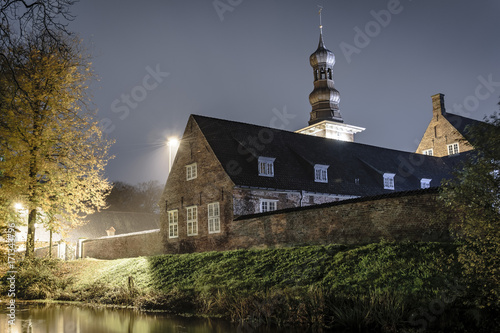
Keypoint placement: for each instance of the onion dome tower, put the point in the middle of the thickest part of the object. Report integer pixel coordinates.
(325, 118)
(324, 98)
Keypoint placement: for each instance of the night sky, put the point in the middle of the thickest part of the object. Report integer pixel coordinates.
(160, 61)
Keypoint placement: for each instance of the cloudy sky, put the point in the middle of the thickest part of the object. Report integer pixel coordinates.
(160, 61)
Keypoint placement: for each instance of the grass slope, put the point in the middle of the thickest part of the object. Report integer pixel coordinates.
(383, 286)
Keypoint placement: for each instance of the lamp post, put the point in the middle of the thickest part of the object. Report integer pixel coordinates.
(172, 143)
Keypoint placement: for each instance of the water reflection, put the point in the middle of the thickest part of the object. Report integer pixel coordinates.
(58, 318)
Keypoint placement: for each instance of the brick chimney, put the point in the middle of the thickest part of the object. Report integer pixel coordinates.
(111, 231)
(438, 105)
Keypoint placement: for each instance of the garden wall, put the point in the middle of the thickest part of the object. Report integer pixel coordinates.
(145, 243)
(397, 216)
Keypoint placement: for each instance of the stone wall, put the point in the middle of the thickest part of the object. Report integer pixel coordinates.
(398, 216)
(59, 250)
(146, 243)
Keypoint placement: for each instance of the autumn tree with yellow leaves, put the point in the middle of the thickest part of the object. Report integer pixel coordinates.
(53, 150)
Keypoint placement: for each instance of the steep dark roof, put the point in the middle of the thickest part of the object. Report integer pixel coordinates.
(297, 153)
(461, 123)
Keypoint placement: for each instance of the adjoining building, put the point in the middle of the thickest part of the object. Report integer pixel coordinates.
(446, 133)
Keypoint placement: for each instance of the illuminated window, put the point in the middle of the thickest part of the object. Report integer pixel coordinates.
(192, 220)
(453, 148)
(425, 183)
(428, 152)
(389, 181)
(267, 205)
(173, 224)
(266, 166)
(191, 172)
(213, 218)
(320, 173)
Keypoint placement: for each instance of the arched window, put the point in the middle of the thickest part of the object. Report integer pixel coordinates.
(322, 74)
(329, 73)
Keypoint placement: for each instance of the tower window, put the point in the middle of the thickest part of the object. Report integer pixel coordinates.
(320, 173)
(329, 73)
(453, 148)
(315, 75)
(389, 181)
(322, 74)
(266, 166)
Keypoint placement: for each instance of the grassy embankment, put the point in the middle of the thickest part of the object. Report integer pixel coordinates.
(383, 286)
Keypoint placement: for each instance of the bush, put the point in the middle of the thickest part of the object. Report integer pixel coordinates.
(38, 279)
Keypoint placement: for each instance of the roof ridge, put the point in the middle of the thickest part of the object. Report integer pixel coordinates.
(306, 135)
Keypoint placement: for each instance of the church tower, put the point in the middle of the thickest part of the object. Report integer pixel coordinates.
(325, 118)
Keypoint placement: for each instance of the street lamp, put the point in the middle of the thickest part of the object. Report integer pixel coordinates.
(172, 142)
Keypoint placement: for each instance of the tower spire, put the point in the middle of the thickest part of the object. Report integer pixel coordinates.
(320, 25)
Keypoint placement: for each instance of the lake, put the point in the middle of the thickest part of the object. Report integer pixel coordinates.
(62, 318)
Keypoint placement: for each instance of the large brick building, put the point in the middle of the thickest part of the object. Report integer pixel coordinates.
(225, 170)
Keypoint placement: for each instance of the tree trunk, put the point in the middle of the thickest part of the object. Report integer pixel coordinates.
(30, 238)
(50, 244)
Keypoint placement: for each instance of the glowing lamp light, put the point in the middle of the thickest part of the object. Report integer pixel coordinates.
(173, 142)
(18, 206)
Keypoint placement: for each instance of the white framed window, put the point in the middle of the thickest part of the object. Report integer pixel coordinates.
(320, 173)
(268, 205)
(425, 183)
(191, 171)
(192, 220)
(213, 218)
(266, 166)
(389, 181)
(429, 152)
(453, 148)
(173, 223)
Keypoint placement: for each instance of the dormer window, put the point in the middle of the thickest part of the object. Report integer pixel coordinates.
(389, 181)
(268, 205)
(266, 166)
(425, 183)
(320, 173)
(453, 148)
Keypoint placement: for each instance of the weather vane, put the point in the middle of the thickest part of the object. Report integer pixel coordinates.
(319, 12)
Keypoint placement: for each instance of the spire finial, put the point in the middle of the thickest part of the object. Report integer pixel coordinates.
(320, 25)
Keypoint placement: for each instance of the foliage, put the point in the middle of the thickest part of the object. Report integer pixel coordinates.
(54, 152)
(142, 197)
(38, 279)
(473, 198)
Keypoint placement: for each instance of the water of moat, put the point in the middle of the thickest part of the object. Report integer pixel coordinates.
(62, 318)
